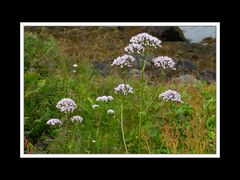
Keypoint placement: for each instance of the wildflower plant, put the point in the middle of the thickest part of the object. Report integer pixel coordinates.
(54, 122)
(66, 105)
(123, 90)
(77, 119)
(164, 62)
(171, 95)
(140, 45)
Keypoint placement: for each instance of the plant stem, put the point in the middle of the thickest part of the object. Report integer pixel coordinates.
(142, 102)
(122, 128)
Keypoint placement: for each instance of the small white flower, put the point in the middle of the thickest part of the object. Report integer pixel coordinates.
(74, 71)
(66, 105)
(171, 95)
(110, 98)
(124, 89)
(54, 121)
(75, 65)
(95, 106)
(93, 141)
(110, 111)
(104, 98)
(77, 119)
(164, 61)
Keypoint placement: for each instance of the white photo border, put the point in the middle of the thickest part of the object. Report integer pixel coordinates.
(215, 24)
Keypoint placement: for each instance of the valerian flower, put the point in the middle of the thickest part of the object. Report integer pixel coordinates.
(77, 119)
(104, 98)
(66, 105)
(95, 106)
(124, 89)
(164, 61)
(139, 42)
(75, 65)
(53, 122)
(125, 60)
(171, 95)
(110, 111)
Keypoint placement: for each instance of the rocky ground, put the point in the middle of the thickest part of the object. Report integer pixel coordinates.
(100, 45)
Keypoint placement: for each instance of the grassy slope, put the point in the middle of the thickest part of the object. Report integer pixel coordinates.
(167, 128)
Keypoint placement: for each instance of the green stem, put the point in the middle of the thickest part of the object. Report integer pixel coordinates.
(122, 128)
(142, 102)
(154, 98)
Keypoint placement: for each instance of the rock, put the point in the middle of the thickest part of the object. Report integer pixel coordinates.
(207, 76)
(166, 33)
(185, 66)
(187, 78)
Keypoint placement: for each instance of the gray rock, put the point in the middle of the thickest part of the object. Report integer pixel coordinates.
(166, 33)
(185, 66)
(207, 76)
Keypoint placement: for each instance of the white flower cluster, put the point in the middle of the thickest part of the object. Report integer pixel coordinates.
(140, 41)
(54, 121)
(164, 61)
(66, 105)
(110, 111)
(77, 119)
(95, 106)
(171, 95)
(124, 89)
(125, 60)
(104, 98)
(75, 65)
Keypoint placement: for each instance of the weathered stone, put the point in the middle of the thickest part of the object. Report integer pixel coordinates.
(166, 33)
(185, 66)
(207, 76)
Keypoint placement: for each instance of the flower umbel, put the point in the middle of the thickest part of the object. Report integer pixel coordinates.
(95, 106)
(75, 65)
(171, 95)
(139, 42)
(124, 89)
(125, 60)
(77, 119)
(164, 61)
(104, 98)
(54, 121)
(110, 111)
(66, 105)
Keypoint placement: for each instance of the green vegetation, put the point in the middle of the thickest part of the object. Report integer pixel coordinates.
(166, 128)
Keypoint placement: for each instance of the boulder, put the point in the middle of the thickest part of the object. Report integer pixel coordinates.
(185, 66)
(207, 75)
(166, 33)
